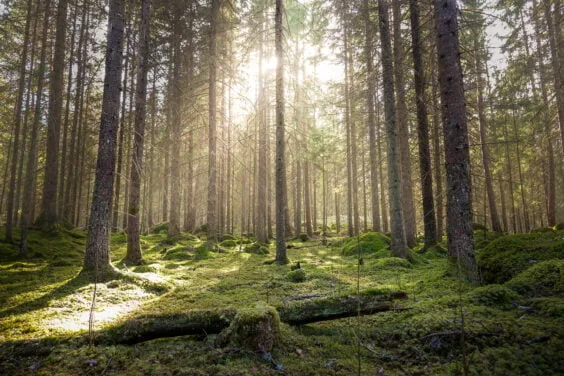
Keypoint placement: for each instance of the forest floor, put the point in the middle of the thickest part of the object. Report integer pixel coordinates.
(45, 303)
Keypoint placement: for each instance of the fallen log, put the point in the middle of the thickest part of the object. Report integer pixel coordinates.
(202, 322)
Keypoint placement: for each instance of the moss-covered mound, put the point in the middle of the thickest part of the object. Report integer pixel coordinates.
(371, 243)
(228, 243)
(160, 228)
(543, 279)
(483, 238)
(256, 329)
(495, 295)
(509, 255)
(257, 249)
(298, 275)
(547, 306)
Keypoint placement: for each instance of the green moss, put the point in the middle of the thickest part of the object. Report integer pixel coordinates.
(479, 227)
(390, 263)
(256, 329)
(544, 278)
(540, 230)
(257, 249)
(145, 269)
(160, 228)
(228, 237)
(509, 255)
(370, 243)
(303, 237)
(180, 253)
(296, 276)
(547, 306)
(201, 253)
(482, 239)
(495, 295)
(229, 243)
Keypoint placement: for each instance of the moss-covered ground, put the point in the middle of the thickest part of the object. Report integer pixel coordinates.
(500, 329)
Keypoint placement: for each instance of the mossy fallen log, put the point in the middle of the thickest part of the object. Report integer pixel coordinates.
(203, 322)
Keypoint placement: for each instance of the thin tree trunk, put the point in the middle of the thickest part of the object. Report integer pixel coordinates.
(422, 130)
(370, 121)
(29, 182)
(262, 235)
(50, 185)
(281, 257)
(482, 121)
(133, 244)
(399, 241)
(12, 198)
(403, 130)
(212, 136)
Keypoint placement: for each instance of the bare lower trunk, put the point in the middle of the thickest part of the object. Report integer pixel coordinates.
(459, 195)
(212, 160)
(97, 255)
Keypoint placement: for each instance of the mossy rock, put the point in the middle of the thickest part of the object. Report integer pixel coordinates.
(303, 237)
(559, 226)
(145, 269)
(543, 279)
(391, 263)
(495, 295)
(297, 276)
(256, 248)
(228, 243)
(160, 228)
(370, 243)
(182, 253)
(255, 329)
(228, 237)
(509, 255)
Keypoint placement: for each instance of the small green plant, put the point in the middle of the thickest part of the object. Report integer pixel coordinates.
(296, 276)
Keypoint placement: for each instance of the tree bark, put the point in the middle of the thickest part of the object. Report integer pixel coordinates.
(97, 255)
(371, 121)
(133, 255)
(281, 257)
(457, 156)
(422, 130)
(50, 185)
(212, 136)
(262, 235)
(399, 241)
(29, 180)
(12, 198)
(403, 130)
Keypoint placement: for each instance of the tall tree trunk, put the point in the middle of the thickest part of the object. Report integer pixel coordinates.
(457, 155)
(422, 130)
(97, 255)
(371, 121)
(281, 257)
(29, 182)
(176, 131)
(403, 130)
(50, 184)
(494, 217)
(262, 235)
(399, 241)
(12, 198)
(554, 38)
(133, 245)
(550, 166)
(62, 171)
(212, 136)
